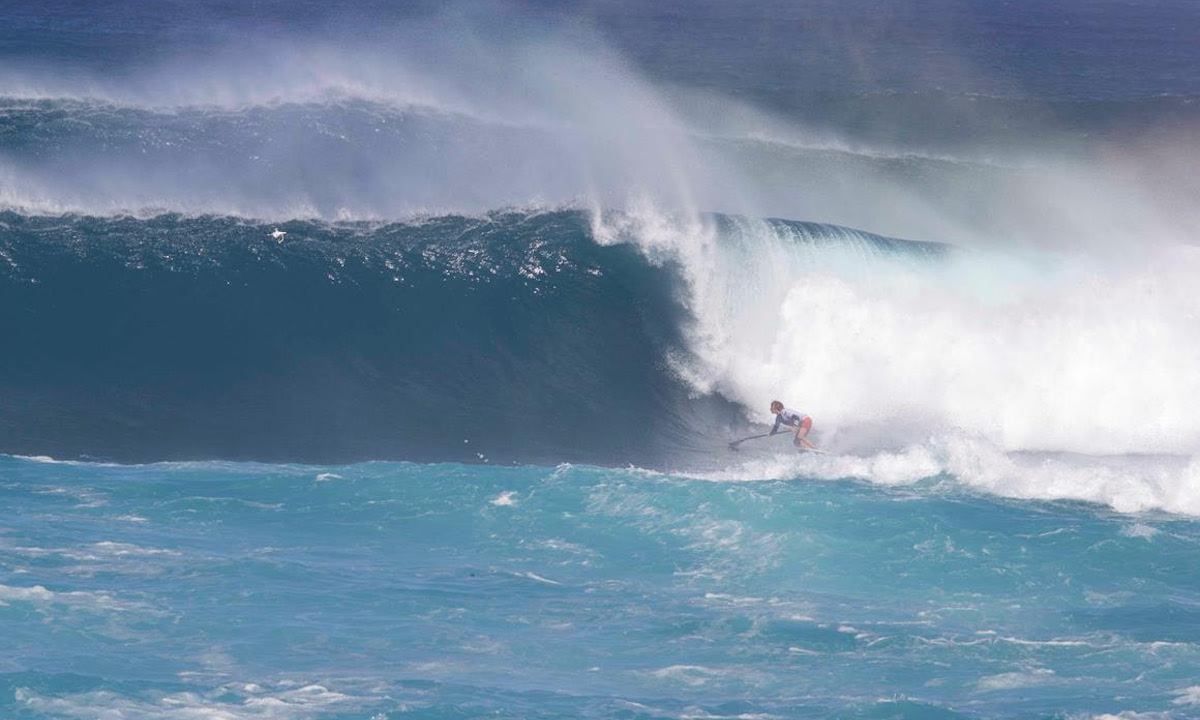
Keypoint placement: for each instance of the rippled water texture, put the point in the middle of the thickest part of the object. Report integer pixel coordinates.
(392, 590)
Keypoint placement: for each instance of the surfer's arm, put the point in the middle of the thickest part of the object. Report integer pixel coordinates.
(775, 429)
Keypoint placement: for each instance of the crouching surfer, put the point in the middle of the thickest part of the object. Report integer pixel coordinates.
(792, 419)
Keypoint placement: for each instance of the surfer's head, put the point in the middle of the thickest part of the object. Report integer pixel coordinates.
(776, 406)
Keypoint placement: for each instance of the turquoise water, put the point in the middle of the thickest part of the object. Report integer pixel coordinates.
(392, 590)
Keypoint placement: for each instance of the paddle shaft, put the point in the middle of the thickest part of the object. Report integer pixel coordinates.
(735, 443)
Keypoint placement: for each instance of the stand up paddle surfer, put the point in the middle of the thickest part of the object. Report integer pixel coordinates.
(793, 419)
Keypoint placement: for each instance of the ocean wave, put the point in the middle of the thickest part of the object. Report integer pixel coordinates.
(640, 338)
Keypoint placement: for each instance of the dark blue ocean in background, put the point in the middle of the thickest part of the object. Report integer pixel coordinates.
(380, 360)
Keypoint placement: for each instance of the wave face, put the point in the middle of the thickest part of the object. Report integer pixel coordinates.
(508, 337)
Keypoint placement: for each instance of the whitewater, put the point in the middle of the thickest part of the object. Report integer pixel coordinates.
(457, 445)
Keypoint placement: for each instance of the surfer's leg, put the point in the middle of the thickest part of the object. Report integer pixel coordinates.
(802, 434)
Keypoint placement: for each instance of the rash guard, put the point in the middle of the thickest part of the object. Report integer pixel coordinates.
(791, 418)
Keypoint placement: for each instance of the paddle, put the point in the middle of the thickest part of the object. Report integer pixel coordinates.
(734, 445)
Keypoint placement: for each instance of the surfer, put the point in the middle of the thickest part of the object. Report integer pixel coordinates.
(793, 419)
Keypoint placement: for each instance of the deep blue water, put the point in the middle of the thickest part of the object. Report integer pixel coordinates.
(456, 444)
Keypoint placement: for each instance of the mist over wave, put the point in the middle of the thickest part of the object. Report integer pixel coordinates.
(472, 110)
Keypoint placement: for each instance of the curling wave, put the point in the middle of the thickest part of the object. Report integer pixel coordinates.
(613, 338)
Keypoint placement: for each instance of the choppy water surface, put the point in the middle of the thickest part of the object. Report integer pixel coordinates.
(396, 590)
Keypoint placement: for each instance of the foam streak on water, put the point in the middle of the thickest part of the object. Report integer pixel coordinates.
(391, 590)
